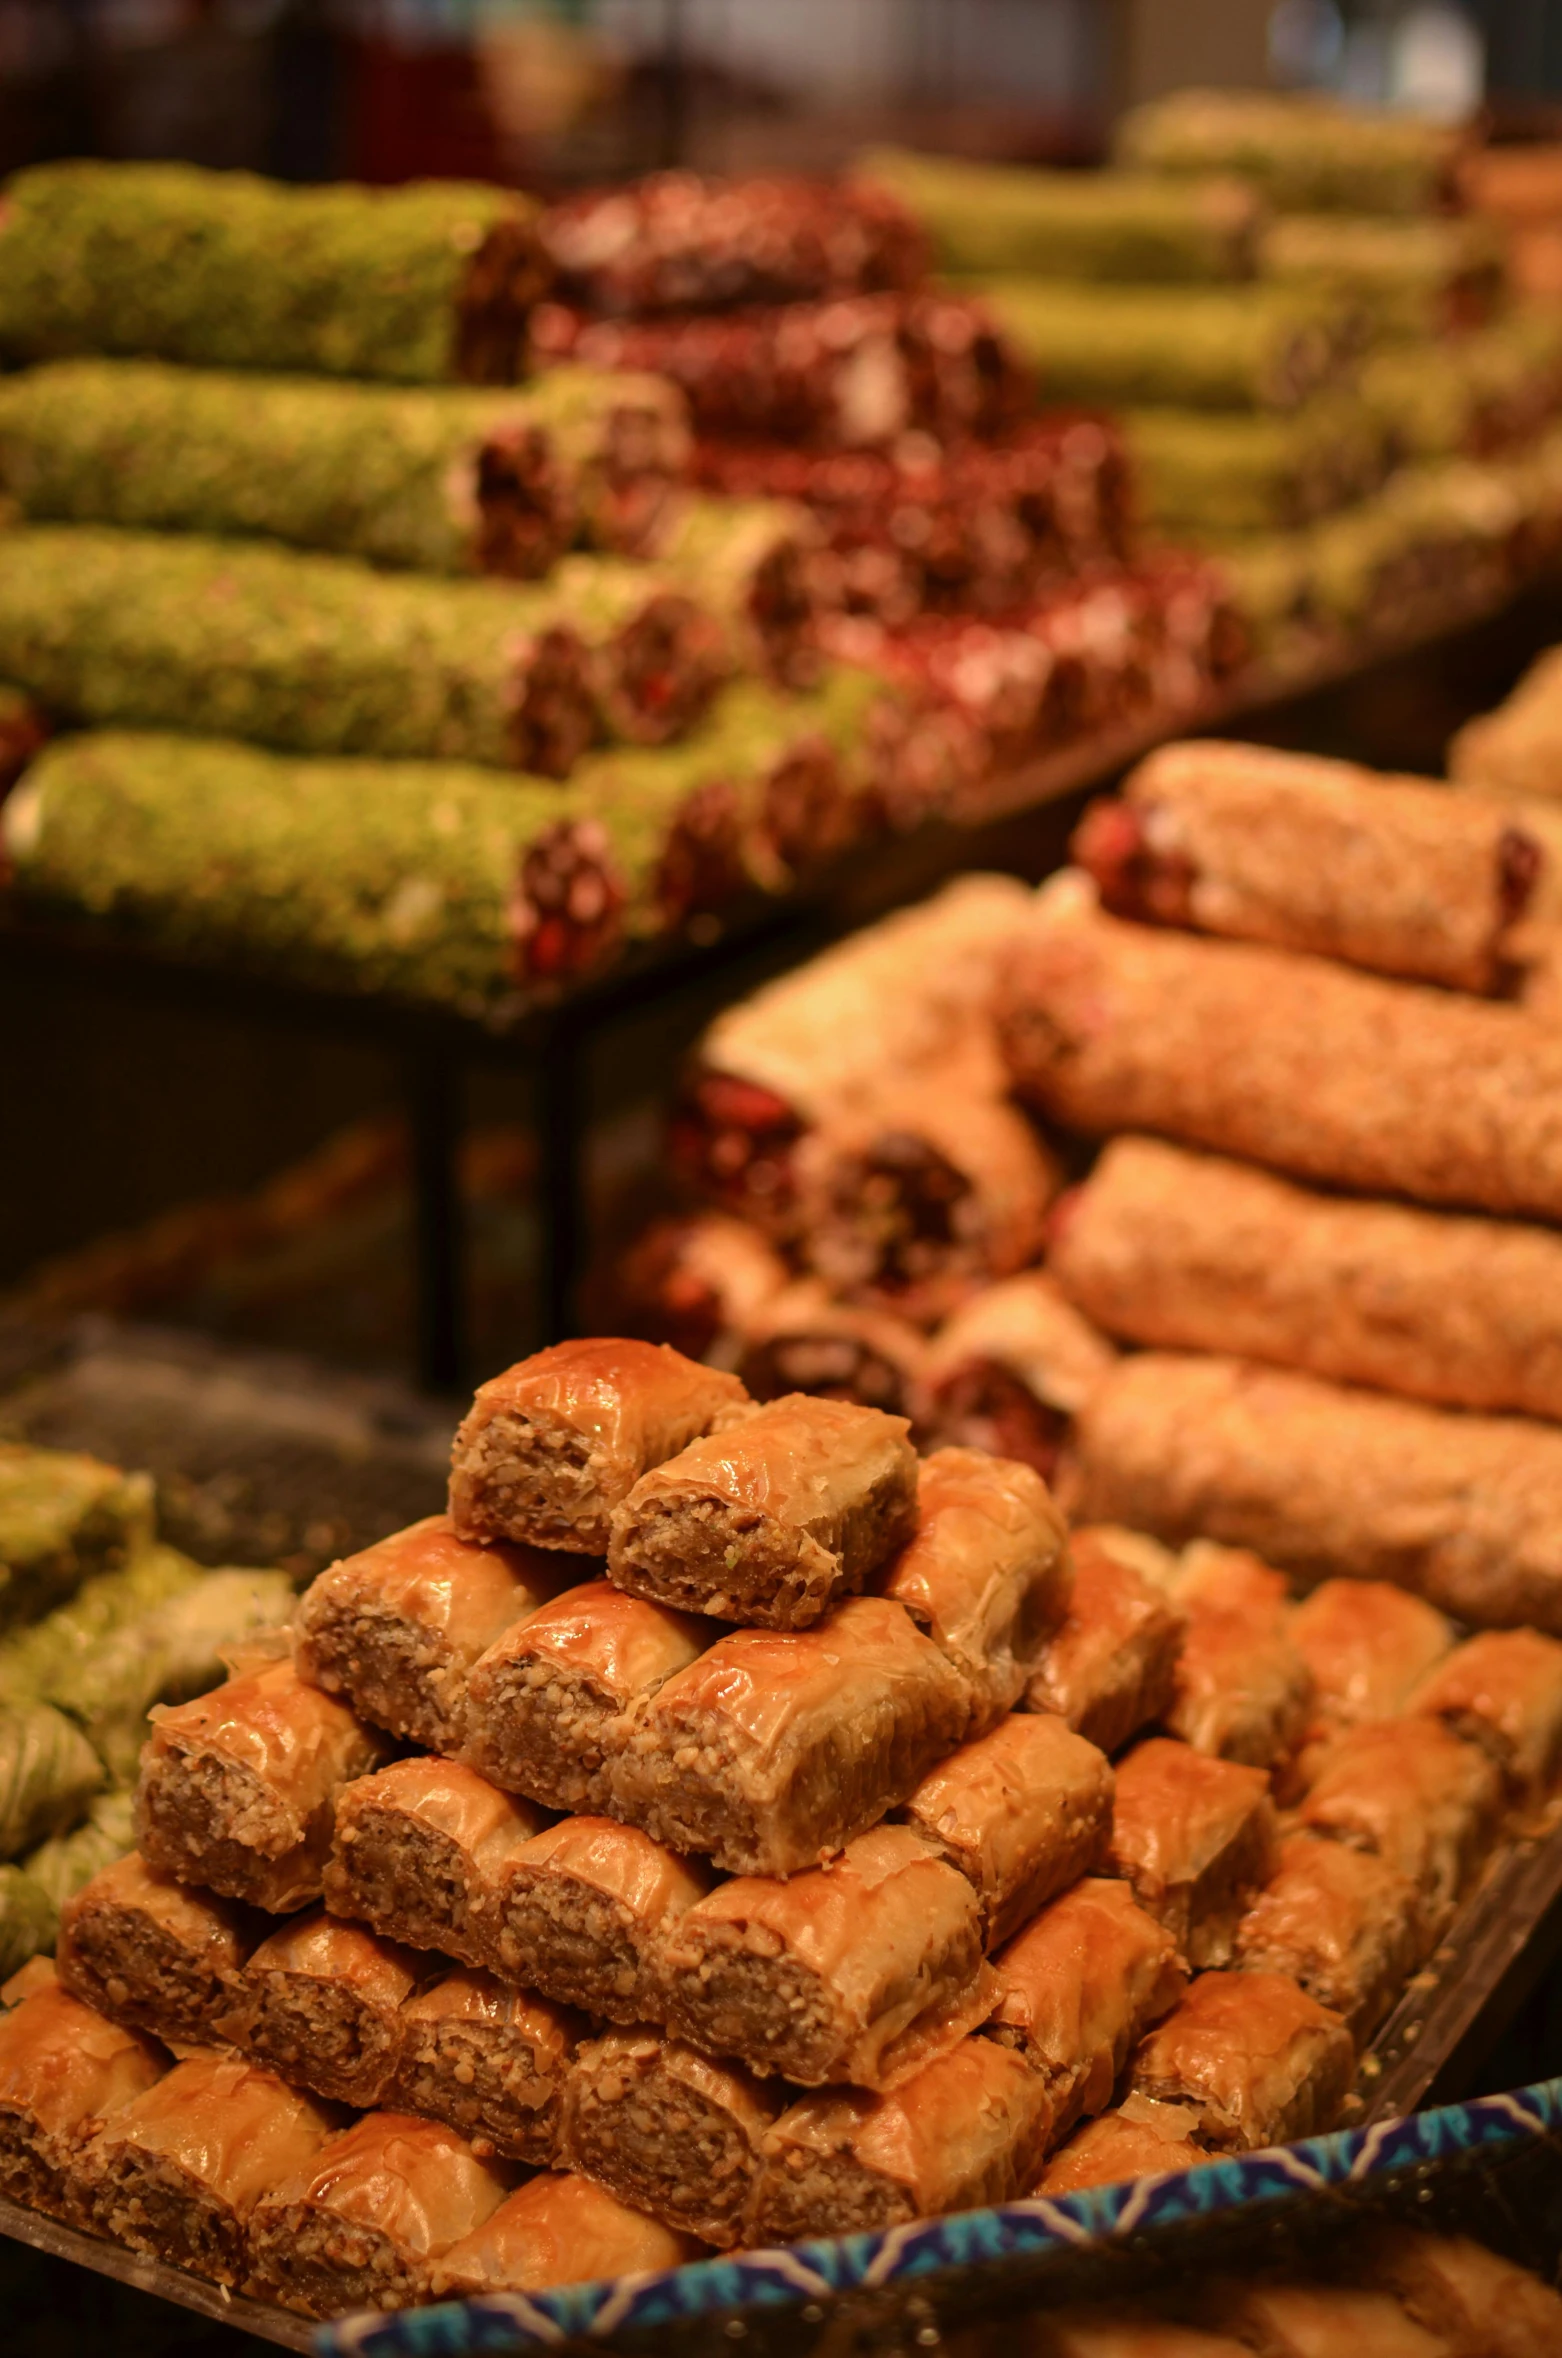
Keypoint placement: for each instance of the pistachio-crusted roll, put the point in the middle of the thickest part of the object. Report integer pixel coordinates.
(238, 1790)
(748, 562)
(1022, 1812)
(489, 2060)
(1253, 2057)
(654, 655)
(63, 2072)
(669, 2129)
(1420, 278)
(310, 654)
(417, 284)
(418, 1852)
(1009, 1369)
(1208, 472)
(64, 1516)
(1291, 1061)
(1189, 347)
(1345, 1925)
(398, 1628)
(1305, 152)
(583, 1911)
(318, 2003)
(48, 1774)
(151, 1953)
(29, 1917)
(1111, 1666)
(559, 2230)
(1503, 1690)
(620, 446)
(1194, 1838)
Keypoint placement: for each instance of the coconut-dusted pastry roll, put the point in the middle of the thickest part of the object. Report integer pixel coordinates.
(1387, 1087)
(418, 1852)
(550, 1447)
(1255, 2058)
(699, 1283)
(63, 2072)
(1344, 1925)
(803, 1340)
(238, 1790)
(774, 1520)
(774, 1748)
(549, 1703)
(1465, 1510)
(363, 2223)
(1368, 1646)
(1008, 1371)
(1394, 874)
(1195, 1838)
(559, 2230)
(987, 1574)
(319, 2004)
(859, 1970)
(669, 2129)
(1410, 1792)
(1472, 2299)
(1022, 1812)
(1242, 1690)
(1111, 1666)
(1191, 1252)
(582, 1910)
(1138, 2140)
(149, 1952)
(1503, 1691)
(970, 2129)
(178, 2171)
(1078, 1987)
(488, 2060)
(1317, 2320)
(397, 1628)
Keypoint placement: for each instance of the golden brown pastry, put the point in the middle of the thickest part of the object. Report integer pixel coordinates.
(559, 2230)
(1242, 1690)
(1257, 2061)
(774, 1519)
(1195, 1838)
(1023, 1812)
(1514, 750)
(151, 1953)
(63, 2072)
(397, 1628)
(582, 1911)
(1503, 1690)
(488, 2060)
(856, 1971)
(1345, 1925)
(319, 2003)
(1111, 1667)
(1479, 2304)
(553, 1445)
(699, 1284)
(238, 1789)
(669, 2129)
(1138, 2140)
(1368, 1647)
(1319, 2321)
(418, 1852)
(1007, 1372)
(1411, 1793)
(1124, 2333)
(804, 1340)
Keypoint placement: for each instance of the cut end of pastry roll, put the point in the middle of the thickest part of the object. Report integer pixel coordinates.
(584, 1910)
(670, 2130)
(802, 1340)
(152, 1953)
(319, 2004)
(490, 2061)
(1011, 1369)
(1195, 1839)
(559, 2230)
(417, 1853)
(63, 2071)
(700, 1283)
(1257, 2060)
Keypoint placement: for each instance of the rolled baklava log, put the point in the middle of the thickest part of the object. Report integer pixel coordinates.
(418, 1851)
(64, 2071)
(551, 1702)
(150, 1953)
(583, 1912)
(1139, 2141)
(1393, 874)
(1022, 1812)
(489, 2060)
(559, 2230)
(1345, 1926)
(1078, 1988)
(775, 1748)
(803, 1340)
(1513, 750)
(1313, 2320)
(860, 1970)
(1195, 1839)
(397, 1628)
(1503, 1691)
(1190, 1252)
(1409, 1792)
(48, 1774)
(699, 1283)
(1464, 1510)
(1294, 1062)
(1007, 1372)
(553, 1445)
(1368, 1647)
(1220, 478)
(309, 654)
(621, 451)
(1469, 2297)
(177, 2172)
(319, 2003)
(238, 1790)
(670, 2130)
(364, 2222)
(417, 284)
(773, 1520)
(1110, 1668)
(752, 566)
(970, 2129)
(987, 1574)
(1220, 348)
(1252, 2056)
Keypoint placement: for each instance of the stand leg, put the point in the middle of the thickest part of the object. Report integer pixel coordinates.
(560, 1225)
(432, 1086)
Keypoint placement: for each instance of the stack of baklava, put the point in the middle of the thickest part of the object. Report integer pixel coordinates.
(756, 1833)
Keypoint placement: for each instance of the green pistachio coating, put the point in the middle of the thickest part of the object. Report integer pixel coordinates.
(1307, 154)
(1199, 472)
(29, 1919)
(63, 1517)
(48, 1774)
(1190, 347)
(1410, 274)
(62, 1865)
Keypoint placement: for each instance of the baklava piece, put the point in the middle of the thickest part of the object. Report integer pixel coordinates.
(986, 1574)
(1471, 2298)
(238, 1789)
(1111, 1668)
(1343, 1924)
(1410, 1792)
(1022, 1812)
(63, 2072)
(397, 1628)
(775, 1748)
(1079, 1987)
(774, 1520)
(1503, 1691)
(488, 2060)
(149, 1952)
(553, 1445)
(1243, 1692)
(857, 1971)
(178, 2171)
(582, 1911)
(1319, 2321)
(1138, 2140)
(364, 2222)
(549, 1703)
(670, 2130)
(418, 1851)
(1195, 1838)
(559, 2230)
(970, 2129)
(1368, 1646)
(1253, 2057)
(319, 2004)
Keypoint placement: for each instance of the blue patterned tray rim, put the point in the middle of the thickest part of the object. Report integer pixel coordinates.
(850, 2263)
